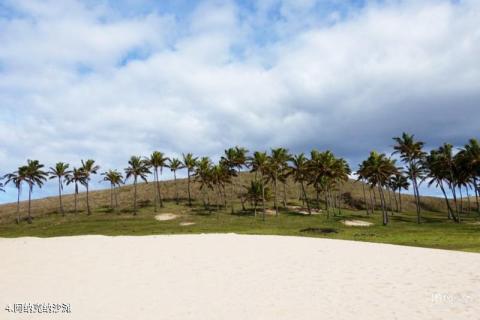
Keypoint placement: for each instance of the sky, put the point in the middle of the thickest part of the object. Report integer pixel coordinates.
(110, 79)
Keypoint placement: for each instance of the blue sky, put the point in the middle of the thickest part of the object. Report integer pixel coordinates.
(109, 79)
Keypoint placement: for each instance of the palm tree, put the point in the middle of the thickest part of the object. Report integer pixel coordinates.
(189, 162)
(88, 168)
(260, 164)
(398, 182)
(137, 168)
(76, 177)
(378, 170)
(362, 176)
(300, 173)
(60, 171)
(203, 175)
(157, 161)
(35, 176)
(471, 157)
(234, 159)
(174, 165)
(340, 174)
(115, 179)
(17, 178)
(220, 177)
(278, 161)
(412, 155)
(255, 193)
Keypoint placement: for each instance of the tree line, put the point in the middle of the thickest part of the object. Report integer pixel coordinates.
(451, 171)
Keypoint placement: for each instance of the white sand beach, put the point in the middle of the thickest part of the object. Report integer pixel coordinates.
(228, 276)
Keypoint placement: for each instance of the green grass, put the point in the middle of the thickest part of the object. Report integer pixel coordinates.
(434, 232)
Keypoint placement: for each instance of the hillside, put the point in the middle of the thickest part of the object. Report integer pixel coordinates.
(352, 198)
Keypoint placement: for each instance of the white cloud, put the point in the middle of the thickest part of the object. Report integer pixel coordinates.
(210, 83)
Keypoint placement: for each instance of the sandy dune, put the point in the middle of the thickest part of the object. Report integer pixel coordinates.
(236, 277)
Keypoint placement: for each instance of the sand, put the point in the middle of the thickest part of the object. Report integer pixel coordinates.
(187, 223)
(228, 276)
(165, 216)
(357, 223)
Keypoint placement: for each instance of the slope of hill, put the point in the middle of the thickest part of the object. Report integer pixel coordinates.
(351, 195)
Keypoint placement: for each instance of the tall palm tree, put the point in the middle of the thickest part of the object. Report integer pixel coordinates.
(137, 168)
(234, 159)
(115, 179)
(203, 175)
(378, 171)
(398, 182)
(157, 161)
(189, 162)
(412, 155)
(471, 157)
(88, 168)
(437, 173)
(278, 161)
(35, 176)
(175, 164)
(220, 177)
(60, 172)
(362, 176)
(76, 177)
(260, 164)
(300, 172)
(17, 178)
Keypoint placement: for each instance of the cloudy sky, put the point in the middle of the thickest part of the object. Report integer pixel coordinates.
(109, 79)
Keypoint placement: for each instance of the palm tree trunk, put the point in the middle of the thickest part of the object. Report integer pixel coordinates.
(300, 195)
(400, 198)
(461, 199)
(159, 189)
(325, 194)
(449, 208)
(475, 186)
(365, 198)
(305, 197)
(468, 200)
(155, 187)
(275, 195)
(111, 195)
(176, 187)
(390, 201)
(372, 206)
(285, 194)
(60, 195)
(454, 193)
(88, 202)
(263, 199)
(75, 196)
(115, 191)
(18, 204)
(417, 198)
(233, 196)
(29, 204)
(224, 197)
(189, 195)
(396, 201)
(135, 196)
(382, 202)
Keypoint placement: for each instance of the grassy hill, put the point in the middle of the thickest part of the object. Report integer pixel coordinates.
(352, 198)
(435, 231)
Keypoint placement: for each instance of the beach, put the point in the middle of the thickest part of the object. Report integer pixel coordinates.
(230, 276)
